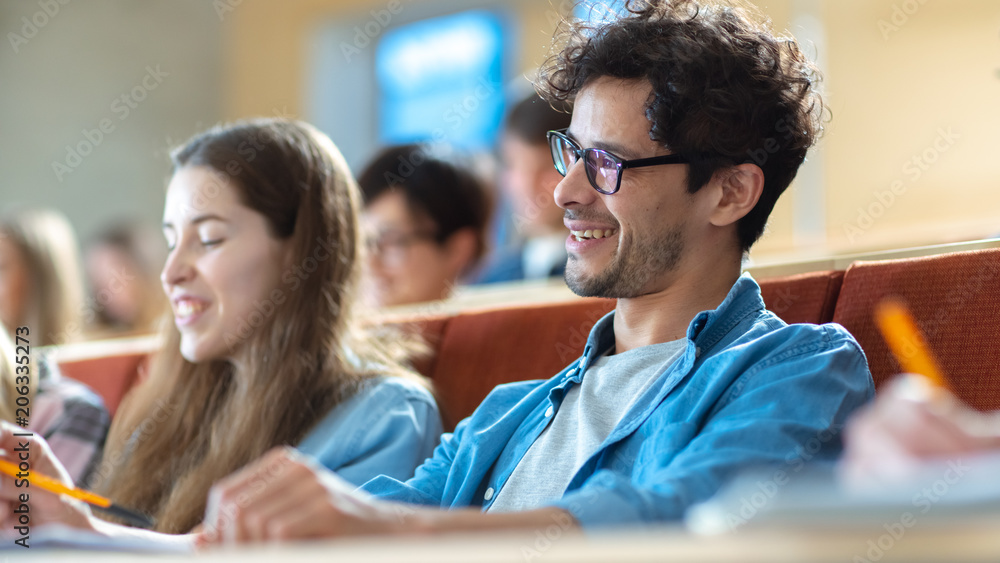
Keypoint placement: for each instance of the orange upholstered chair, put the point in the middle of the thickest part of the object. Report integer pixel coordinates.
(109, 367)
(480, 350)
(109, 376)
(473, 352)
(956, 300)
(803, 298)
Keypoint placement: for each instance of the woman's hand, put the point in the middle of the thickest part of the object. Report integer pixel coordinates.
(286, 496)
(44, 507)
(912, 420)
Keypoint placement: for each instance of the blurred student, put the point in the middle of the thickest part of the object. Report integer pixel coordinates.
(123, 265)
(67, 414)
(425, 219)
(267, 347)
(910, 422)
(690, 379)
(528, 181)
(41, 285)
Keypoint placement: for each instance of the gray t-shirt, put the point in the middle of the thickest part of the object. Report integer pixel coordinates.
(586, 417)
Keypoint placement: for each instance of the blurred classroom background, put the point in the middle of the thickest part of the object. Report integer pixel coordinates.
(96, 93)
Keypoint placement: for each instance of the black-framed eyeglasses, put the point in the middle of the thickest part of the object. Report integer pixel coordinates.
(391, 246)
(604, 169)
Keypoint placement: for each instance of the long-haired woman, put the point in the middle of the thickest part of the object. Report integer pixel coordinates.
(267, 347)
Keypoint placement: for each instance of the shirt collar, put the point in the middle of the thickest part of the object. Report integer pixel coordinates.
(705, 330)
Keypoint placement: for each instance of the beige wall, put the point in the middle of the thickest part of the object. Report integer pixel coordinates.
(268, 42)
(890, 98)
(902, 86)
(69, 76)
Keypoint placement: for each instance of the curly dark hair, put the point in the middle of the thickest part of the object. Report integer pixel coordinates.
(726, 90)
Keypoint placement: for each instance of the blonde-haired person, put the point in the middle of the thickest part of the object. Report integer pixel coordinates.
(41, 282)
(66, 413)
(267, 347)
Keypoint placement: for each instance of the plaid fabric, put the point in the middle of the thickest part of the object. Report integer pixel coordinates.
(71, 418)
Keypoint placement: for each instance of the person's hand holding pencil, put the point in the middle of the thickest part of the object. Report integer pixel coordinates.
(44, 507)
(914, 417)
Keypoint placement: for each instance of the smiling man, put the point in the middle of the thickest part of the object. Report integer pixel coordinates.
(688, 123)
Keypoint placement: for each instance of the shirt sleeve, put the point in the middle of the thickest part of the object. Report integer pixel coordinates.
(78, 429)
(387, 430)
(428, 483)
(782, 412)
(458, 466)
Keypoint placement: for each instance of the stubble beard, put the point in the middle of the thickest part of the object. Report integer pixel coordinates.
(632, 268)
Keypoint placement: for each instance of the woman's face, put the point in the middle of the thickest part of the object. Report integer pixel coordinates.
(13, 284)
(405, 262)
(224, 267)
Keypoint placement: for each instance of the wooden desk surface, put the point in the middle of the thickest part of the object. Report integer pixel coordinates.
(979, 543)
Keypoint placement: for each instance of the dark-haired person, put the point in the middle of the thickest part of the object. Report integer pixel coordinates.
(528, 181)
(425, 219)
(267, 347)
(690, 379)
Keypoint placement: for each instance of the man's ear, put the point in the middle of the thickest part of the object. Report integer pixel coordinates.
(461, 249)
(287, 254)
(741, 187)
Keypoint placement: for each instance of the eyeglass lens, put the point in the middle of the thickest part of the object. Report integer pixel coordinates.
(602, 170)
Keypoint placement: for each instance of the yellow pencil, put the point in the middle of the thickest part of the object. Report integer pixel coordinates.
(906, 341)
(47, 483)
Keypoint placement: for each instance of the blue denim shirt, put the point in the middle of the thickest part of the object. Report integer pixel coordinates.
(388, 428)
(748, 390)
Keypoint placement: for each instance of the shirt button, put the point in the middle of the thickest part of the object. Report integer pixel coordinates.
(549, 411)
(489, 493)
(571, 372)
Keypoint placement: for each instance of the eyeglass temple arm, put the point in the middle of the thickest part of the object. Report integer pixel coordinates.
(662, 159)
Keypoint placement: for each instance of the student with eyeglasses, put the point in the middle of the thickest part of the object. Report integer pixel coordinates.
(425, 225)
(527, 181)
(690, 379)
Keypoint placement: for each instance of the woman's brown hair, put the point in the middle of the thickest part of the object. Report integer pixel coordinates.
(190, 424)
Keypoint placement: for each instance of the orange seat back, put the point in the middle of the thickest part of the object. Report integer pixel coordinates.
(803, 298)
(955, 298)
